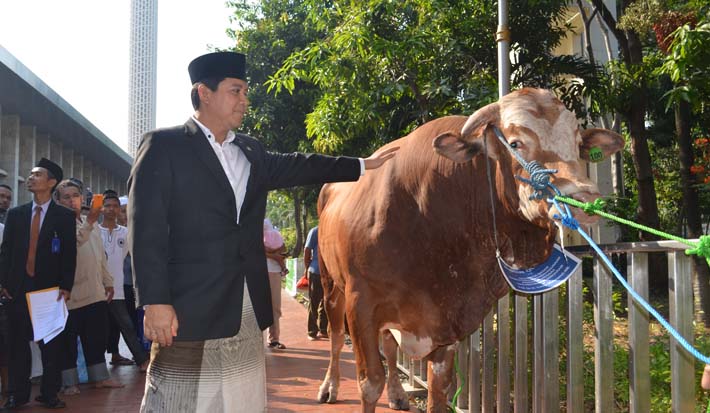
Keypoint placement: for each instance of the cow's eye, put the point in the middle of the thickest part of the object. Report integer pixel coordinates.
(514, 144)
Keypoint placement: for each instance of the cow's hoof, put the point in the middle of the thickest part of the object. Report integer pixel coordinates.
(399, 404)
(327, 395)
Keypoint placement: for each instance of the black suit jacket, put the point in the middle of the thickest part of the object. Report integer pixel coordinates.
(52, 269)
(187, 247)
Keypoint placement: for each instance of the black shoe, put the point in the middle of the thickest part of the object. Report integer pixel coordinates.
(54, 403)
(13, 403)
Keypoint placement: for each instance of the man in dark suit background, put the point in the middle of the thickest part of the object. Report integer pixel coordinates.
(197, 200)
(38, 252)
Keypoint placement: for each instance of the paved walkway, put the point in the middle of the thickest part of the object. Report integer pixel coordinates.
(293, 376)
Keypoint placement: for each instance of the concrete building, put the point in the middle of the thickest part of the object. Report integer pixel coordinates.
(36, 122)
(143, 71)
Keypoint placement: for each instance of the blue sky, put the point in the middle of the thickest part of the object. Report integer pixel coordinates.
(80, 48)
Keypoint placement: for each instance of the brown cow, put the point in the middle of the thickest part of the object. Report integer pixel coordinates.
(409, 248)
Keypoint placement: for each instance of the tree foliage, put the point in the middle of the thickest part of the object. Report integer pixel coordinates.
(385, 67)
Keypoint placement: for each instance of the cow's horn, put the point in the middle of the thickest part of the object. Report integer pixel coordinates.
(476, 123)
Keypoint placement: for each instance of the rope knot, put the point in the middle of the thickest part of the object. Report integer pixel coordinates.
(570, 222)
(702, 249)
(539, 179)
(591, 208)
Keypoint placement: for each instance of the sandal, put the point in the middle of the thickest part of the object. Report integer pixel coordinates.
(70, 391)
(277, 345)
(121, 361)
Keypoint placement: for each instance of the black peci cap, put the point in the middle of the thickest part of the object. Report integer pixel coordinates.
(218, 64)
(52, 167)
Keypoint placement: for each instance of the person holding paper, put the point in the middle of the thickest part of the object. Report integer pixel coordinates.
(93, 287)
(38, 252)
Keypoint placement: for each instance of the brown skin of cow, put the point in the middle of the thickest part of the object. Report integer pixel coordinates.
(437, 275)
(412, 244)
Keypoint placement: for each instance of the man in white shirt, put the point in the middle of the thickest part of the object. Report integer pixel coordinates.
(197, 200)
(115, 238)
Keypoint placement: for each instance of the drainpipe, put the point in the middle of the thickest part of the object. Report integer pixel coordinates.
(503, 39)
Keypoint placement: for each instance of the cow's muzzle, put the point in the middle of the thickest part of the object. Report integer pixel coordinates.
(577, 213)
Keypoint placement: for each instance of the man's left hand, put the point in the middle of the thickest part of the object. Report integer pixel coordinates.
(64, 293)
(378, 159)
(109, 294)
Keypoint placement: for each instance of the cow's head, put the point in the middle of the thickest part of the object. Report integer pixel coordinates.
(540, 128)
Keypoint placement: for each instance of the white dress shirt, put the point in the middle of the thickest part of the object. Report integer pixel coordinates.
(44, 206)
(234, 163)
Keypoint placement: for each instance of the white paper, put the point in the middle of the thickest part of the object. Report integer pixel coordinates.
(49, 316)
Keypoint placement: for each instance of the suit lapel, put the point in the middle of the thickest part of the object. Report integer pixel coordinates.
(26, 224)
(250, 153)
(206, 154)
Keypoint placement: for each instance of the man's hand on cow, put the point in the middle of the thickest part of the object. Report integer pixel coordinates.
(160, 323)
(378, 159)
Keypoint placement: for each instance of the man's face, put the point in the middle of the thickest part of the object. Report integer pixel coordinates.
(5, 198)
(228, 103)
(122, 216)
(39, 181)
(111, 208)
(70, 197)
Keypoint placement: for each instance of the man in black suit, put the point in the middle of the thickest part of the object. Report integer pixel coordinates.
(197, 200)
(38, 252)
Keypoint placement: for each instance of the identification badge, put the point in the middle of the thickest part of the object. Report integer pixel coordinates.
(55, 244)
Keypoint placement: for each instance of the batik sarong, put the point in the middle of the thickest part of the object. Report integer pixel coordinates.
(225, 375)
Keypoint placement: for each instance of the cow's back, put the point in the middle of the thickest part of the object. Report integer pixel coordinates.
(402, 238)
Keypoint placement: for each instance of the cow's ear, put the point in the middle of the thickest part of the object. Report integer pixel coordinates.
(450, 145)
(595, 140)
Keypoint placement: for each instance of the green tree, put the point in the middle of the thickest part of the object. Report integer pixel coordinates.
(632, 86)
(385, 67)
(268, 32)
(688, 65)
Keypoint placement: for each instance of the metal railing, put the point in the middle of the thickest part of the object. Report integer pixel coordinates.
(496, 378)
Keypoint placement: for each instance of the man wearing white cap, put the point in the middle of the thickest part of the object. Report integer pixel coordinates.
(198, 254)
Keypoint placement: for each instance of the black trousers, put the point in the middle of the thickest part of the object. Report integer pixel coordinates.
(89, 324)
(20, 355)
(317, 318)
(114, 330)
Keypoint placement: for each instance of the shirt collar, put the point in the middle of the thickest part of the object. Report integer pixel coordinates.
(210, 136)
(44, 206)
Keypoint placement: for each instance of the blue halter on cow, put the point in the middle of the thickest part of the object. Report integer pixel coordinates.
(408, 252)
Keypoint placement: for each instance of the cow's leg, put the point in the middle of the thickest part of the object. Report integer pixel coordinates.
(335, 309)
(398, 398)
(440, 379)
(365, 336)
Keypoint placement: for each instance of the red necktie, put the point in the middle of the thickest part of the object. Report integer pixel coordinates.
(34, 236)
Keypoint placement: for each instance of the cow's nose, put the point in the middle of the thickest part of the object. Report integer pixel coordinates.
(586, 196)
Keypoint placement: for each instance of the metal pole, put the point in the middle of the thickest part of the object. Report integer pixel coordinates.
(503, 39)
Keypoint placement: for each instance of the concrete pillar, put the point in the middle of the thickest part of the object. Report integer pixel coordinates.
(41, 146)
(78, 166)
(96, 178)
(68, 161)
(28, 141)
(55, 152)
(88, 168)
(9, 152)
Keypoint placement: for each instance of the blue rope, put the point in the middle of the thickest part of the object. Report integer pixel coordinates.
(676, 335)
(539, 176)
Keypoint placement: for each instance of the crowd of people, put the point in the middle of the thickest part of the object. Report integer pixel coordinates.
(62, 239)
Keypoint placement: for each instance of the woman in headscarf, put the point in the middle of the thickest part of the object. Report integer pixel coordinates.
(275, 262)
